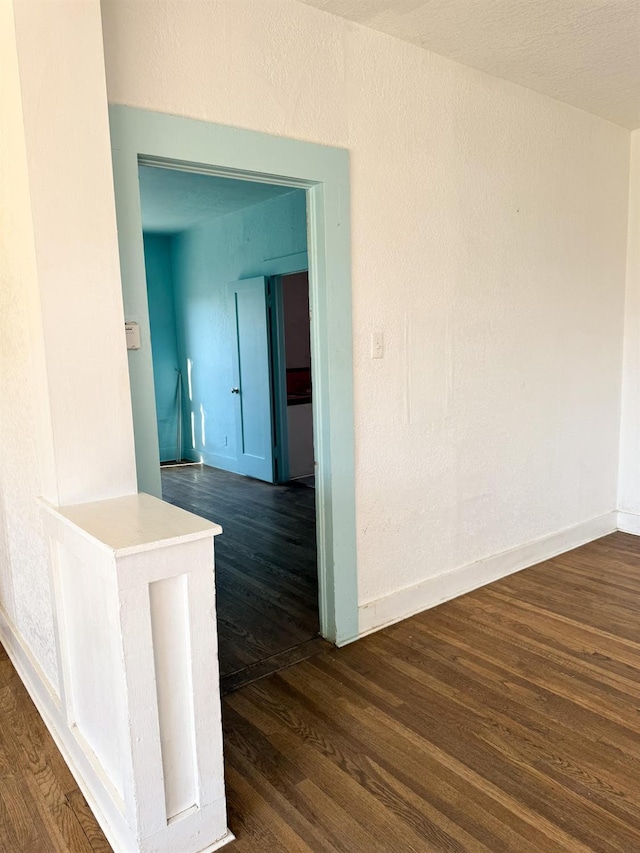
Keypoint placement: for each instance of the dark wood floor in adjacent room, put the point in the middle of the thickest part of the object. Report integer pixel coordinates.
(266, 574)
(506, 721)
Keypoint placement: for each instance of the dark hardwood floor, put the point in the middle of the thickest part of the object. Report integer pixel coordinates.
(266, 574)
(41, 807)
(505, 721)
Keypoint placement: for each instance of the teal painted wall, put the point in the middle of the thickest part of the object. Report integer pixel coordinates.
(158, 267)
(192, 318)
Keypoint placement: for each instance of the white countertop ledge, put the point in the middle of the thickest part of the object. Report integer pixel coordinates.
(133, 523)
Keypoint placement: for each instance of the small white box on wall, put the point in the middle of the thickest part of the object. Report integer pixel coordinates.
(132, 333)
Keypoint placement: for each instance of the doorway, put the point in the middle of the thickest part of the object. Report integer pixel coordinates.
(291, 296)
(231, 360)
(148, 138)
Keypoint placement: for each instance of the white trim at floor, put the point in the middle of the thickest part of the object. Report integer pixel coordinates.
(629, 522)
(428, 593)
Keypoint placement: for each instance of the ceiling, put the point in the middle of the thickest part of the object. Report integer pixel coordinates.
(583, 52)
(173, 201)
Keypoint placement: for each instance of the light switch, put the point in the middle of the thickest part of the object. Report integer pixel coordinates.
(132, 333)
(377, 345)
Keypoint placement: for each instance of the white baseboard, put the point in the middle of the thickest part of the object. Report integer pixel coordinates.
(110, 820)
(428, 593)
(92, 785)
(629, 522)
(227, 838)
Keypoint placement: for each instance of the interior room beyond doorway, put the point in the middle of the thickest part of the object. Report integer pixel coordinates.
(227, 287)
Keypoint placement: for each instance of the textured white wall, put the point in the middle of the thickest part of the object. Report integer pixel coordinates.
(24, 577)
(65, 411)
(629, 485)
(489, 232)
(69, 161)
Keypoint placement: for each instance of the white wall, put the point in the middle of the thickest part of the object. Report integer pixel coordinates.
(72, 203)
(489, 231)
(24, 578)
(629, 484)
(65, 420)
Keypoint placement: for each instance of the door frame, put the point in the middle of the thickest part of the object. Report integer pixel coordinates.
(275, 302)
(141, 136)
(277, 354)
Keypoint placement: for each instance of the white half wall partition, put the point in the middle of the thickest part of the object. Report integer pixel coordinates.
(135, 605)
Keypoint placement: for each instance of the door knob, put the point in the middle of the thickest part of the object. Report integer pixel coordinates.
(235, 390)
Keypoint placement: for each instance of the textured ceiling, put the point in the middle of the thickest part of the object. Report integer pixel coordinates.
(173, 201)
(583, 52)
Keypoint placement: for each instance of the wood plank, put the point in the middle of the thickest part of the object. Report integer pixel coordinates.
(261, 669)
(266, 570)
(37, 813)
(87, 821)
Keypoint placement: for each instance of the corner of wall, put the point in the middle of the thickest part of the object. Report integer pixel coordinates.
(629, 459)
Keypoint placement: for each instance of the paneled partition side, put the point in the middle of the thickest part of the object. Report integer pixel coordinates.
(133, 582)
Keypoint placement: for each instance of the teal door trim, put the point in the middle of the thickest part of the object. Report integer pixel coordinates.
(286, 265)
(279, 377)
(156, 138)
